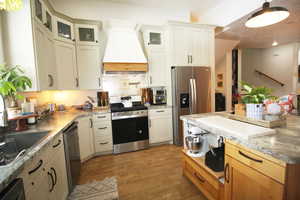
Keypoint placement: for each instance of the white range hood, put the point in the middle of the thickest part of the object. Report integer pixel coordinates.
(123, 50)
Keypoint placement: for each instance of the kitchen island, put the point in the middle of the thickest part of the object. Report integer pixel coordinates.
(266, 167)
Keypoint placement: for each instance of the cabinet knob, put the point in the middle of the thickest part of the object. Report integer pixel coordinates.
(73, 40)
(96, 41)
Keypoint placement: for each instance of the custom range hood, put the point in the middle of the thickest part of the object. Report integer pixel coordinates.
(123, 51)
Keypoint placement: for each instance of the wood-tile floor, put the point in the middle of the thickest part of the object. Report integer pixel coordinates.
(155, 173)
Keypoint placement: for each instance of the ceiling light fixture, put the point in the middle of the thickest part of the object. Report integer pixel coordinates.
(11, 5)
(267, 16)
(275, 44)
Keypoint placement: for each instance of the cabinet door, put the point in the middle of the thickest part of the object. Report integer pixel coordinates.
(66, 66)
(48, 19)
(89, 67)
(200, 47)
(157, 68)
(64, 30)
(38, 9)
(86, 138)
(57, 169)
(245, 183)
(87, 34)
(45, 58)
(154, 39)
(180, 47)
(160, 129)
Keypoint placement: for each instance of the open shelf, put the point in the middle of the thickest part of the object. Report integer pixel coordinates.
(201, 162)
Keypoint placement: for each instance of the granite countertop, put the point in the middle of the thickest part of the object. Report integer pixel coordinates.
(54, 125)
(284, 145)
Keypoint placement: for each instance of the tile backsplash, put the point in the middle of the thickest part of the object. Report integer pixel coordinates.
(117, 84)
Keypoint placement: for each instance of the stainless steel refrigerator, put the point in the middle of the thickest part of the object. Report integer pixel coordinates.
(191, 94)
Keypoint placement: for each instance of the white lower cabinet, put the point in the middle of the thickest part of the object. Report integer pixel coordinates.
(86, 138)
(160, 125)
(103, 133)
(45, 176)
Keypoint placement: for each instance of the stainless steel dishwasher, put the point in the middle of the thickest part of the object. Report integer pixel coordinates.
(71, 142)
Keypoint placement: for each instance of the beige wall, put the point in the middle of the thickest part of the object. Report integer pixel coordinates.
(278, 62)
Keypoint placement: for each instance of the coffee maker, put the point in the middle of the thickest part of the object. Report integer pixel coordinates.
(159, 96)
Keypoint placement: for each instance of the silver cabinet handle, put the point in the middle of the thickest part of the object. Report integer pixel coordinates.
(99, 81)
(191, 59)
(51, 80)
(149, 123)
(188, 57)
(103, 128)
(101, 117)
(150, 79)
(103, 143)
(91, 123)
(160, 111)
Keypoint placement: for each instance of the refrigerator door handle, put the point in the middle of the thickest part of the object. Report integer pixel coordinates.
(191, 96)
(195, 96)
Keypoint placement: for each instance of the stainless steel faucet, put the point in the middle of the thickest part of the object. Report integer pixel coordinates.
(3, 113)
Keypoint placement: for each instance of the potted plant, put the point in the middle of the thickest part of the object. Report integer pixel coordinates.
(12, 82)
(254, 97)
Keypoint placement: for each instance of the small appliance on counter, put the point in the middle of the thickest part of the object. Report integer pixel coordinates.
(159, 96)
(214, 159)
(103, 99)
(196, 142)
(126, 101)
(146, 96)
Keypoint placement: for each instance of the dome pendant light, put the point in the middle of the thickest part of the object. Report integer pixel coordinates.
(267, 16)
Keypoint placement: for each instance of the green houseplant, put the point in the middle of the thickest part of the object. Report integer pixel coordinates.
(12, 82)
(254, 97)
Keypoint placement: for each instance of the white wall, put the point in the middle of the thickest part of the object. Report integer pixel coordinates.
(278, 62)
(104, 10)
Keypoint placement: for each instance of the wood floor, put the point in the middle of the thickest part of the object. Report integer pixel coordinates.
(155, 173)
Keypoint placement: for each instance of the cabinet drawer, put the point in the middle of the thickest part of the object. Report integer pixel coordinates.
(160, 112)
(103, 145)
(199, 179)
(257, 162)
(101, 117)
(102, 130)
(210, 179)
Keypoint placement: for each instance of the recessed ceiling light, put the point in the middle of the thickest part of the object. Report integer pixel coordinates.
(267, 16)
(274, 43)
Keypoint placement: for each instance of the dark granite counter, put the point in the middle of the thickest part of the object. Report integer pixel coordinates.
(284, 145)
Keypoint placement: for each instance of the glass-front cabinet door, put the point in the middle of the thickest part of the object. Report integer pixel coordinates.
(48, 20)
(154, 39)
(87, 34)
(64, 30)
(38, 10)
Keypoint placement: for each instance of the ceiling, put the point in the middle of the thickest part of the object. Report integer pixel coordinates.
(284, 32)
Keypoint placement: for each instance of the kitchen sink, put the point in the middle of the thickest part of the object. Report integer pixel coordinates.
(17, 144)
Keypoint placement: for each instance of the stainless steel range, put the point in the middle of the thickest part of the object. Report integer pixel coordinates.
(129, 127)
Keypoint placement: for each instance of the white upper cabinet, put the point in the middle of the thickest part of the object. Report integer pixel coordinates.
(157, 68)
(48, 20)
(87, 34)
(38, 11)
(89, 67)
(45, 58)
(64, 30)
(67, 75)
(190, 45)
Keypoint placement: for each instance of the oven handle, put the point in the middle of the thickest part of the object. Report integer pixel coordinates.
(127, 117)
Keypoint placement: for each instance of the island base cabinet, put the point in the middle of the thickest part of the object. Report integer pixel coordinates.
(245, 183)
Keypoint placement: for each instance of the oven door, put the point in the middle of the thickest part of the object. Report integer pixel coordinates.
(130, 130)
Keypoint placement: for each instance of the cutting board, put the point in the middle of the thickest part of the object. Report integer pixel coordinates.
(235, 128)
